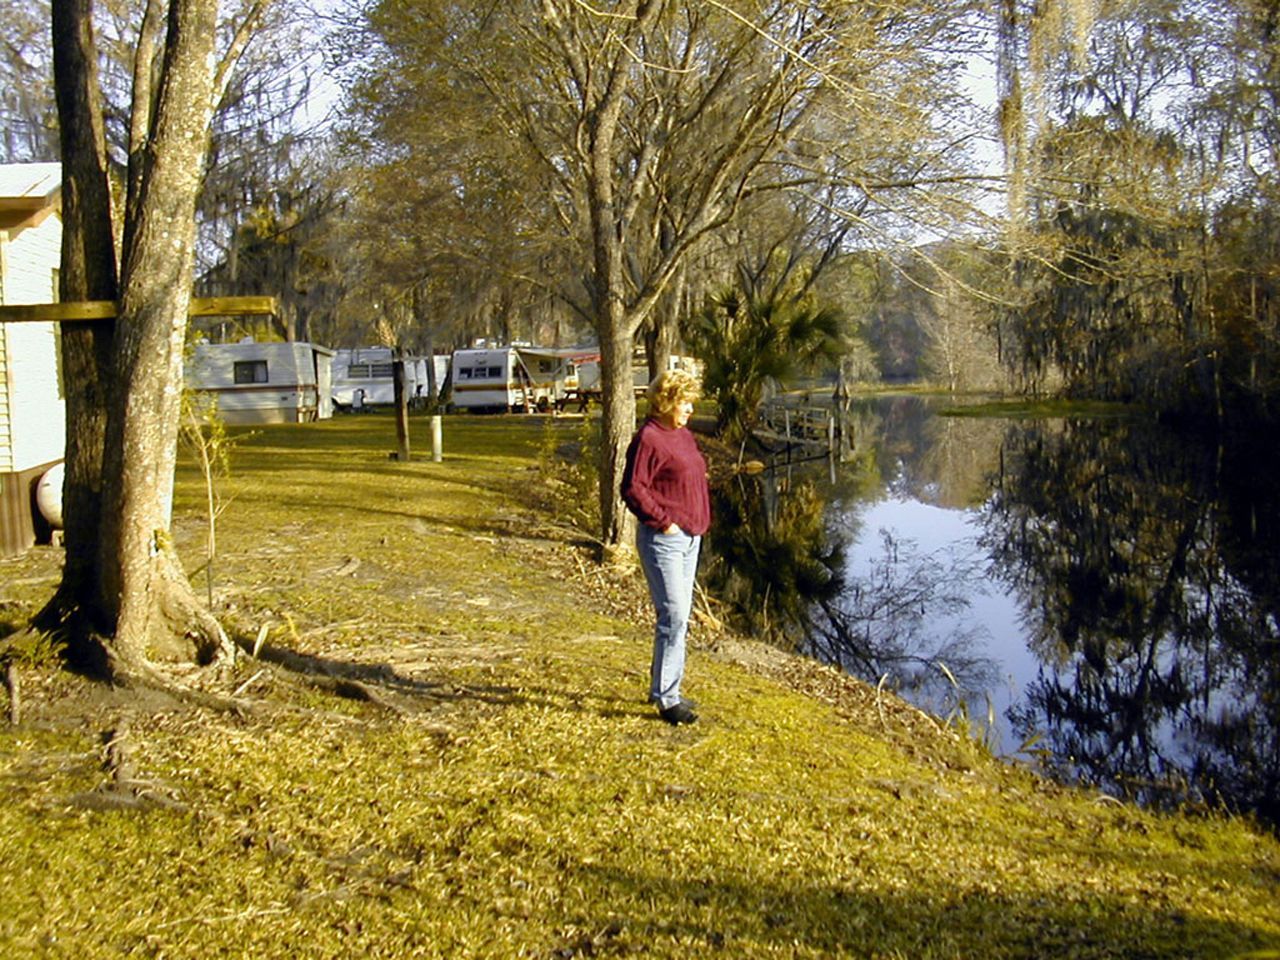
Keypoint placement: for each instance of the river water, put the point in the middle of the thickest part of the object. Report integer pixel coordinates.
(1097, 596)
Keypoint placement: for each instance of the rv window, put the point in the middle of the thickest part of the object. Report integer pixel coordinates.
(250, 371)
(495, 373)
(464, 373)
(369, 371)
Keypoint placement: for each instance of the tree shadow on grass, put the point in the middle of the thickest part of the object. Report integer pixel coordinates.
(542, 532)
(402, 693)
(853, 920)
(383, 685)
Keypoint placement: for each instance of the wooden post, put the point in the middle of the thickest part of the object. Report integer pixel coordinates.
(437, 447)
(401, 408)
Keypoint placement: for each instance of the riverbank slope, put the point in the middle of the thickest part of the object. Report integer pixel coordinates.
(442, 749)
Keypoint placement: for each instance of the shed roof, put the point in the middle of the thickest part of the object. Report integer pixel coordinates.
(27, 191)
(29, 181)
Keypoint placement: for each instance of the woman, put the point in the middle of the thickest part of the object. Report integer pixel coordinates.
(665, 486)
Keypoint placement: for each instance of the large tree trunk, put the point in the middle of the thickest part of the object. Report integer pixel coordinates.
(158, 613)
(613, 324)
(88, 273)
(617, 423)
(616, 333)
(145, 606)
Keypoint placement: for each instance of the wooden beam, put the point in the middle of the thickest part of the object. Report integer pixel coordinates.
(57, 312)
(106, 309)
(233, 306)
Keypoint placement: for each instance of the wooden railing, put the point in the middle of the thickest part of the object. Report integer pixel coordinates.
(800, 425)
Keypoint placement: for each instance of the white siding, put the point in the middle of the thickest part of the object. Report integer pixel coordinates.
(32, 257)
(32, 418)
(6, 434)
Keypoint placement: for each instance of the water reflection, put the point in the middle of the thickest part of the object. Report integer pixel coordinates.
(770, 560)
(1123, 580)
(786, 560)
(1146, 605)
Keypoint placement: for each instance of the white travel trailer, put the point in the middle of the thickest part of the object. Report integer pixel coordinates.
(32, 417)
(264, 382)
(364, 376)
(582, 375)
(640, 369)
(487, 379)
(516, 378)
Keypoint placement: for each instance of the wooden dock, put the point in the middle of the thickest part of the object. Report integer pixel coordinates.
(820, 429)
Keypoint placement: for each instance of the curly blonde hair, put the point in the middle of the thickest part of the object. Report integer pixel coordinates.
(671, 388)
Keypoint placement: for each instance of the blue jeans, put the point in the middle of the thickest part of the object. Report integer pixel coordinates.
(670, 562)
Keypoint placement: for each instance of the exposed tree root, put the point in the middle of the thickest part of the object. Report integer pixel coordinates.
(126, 789)
(68, 624)
(188, 657)
(368, 683)
(183, 628)
(179, 629)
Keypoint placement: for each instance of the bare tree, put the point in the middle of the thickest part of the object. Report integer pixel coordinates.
(641, 127)
(28, 130)
(1144, 150)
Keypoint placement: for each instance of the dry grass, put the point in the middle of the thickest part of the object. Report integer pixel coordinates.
(478, 775)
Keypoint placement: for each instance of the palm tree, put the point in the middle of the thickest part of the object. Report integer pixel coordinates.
(746, 340)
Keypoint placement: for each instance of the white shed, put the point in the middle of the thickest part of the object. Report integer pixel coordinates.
(32, 414)
(264, 382)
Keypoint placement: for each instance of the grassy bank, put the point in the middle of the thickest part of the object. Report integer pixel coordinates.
(1041, 409)
(444, 751)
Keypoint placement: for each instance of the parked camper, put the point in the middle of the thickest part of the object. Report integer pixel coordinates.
(555, 373)
(264, 382)
(32, 418)
(487, 379)
(582, 376)
(516, 378)
(365, 376)
(640, 369)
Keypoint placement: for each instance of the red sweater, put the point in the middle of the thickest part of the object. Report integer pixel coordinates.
(665, 481)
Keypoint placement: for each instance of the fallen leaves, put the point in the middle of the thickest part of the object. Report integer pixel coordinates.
(481, 776)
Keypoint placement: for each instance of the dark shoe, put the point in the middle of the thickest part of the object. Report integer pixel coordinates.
(691, 704)
(678, 714)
